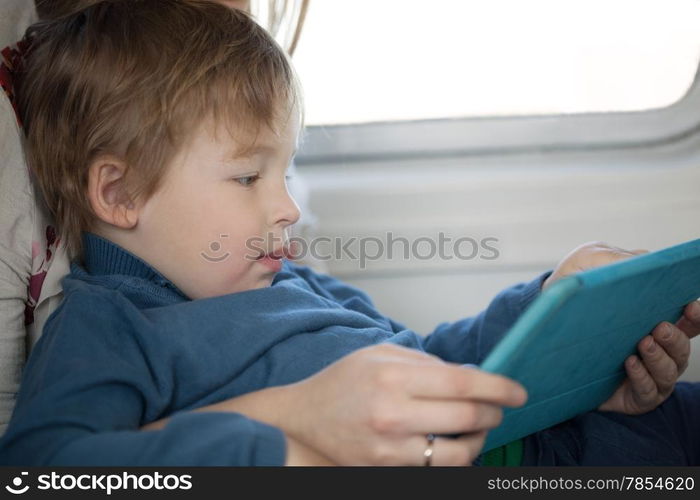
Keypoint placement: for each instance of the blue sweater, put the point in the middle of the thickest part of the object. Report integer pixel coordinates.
(126, 347)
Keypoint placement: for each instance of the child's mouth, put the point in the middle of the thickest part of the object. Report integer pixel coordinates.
(271, 263)
(273, 260)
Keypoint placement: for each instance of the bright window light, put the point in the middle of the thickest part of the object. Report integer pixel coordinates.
(385, 60)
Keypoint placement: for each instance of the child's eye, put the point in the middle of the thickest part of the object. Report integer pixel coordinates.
(248, 180)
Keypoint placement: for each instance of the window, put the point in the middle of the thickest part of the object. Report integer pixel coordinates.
(366, 61)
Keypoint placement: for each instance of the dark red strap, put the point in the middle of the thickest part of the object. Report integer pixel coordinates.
(10, 66)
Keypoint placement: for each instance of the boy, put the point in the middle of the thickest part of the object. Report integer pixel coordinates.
(160, 132)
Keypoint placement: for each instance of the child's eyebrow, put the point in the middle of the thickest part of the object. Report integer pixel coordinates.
(248, 153)
(262, 148)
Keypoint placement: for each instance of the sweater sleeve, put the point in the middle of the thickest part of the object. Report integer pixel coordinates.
(88, 386)
(465, 341)
(471, 339)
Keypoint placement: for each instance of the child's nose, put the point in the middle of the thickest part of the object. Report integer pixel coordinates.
(286, 211)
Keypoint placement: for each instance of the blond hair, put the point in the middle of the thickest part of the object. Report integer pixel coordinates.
(133, 78)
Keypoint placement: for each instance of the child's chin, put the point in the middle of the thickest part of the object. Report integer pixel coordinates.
(263, 282)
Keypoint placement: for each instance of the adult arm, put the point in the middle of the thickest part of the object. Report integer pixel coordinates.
(16, 221)
(376, 405)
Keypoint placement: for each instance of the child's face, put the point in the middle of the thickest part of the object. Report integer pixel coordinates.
(215, 213)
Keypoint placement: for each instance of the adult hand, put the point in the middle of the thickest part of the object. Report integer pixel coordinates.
(664, 354)
(298, 454)
(376, 406)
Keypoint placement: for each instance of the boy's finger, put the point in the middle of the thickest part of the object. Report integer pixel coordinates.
(661, 367)
(451, 381)
(622, 251)
(644, 390)
(690, 321)
(609, 256)
(675, 342)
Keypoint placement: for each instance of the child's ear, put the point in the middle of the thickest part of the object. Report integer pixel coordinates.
(108, 193)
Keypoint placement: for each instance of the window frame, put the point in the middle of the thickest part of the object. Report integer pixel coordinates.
(460, 137)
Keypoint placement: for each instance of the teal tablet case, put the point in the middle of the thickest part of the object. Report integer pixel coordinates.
(569, 346)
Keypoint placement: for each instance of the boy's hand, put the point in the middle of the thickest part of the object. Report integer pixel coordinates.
(664, 357)
(664, 353)
(588, 256)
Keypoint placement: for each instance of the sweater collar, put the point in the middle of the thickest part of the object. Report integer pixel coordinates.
(104, 257)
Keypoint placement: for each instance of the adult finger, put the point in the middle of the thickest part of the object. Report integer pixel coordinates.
(443, 417)
(399, 352)
(458, 451)
(450, 381)
(444, 451)
(675, 342)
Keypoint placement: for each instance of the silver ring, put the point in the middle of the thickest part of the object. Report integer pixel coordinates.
(428, 453)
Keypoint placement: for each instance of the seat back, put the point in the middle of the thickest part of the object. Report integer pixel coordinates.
(32, 259)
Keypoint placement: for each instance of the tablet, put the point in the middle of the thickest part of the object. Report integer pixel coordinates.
(569, 346)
